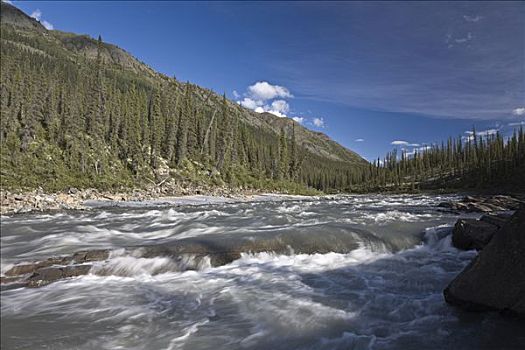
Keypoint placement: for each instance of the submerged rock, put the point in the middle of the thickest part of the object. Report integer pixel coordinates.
(23, 269)
(52, 269)
(51, 274)
(76, 258)
(91, 255)
(495, 279)
(229, 249)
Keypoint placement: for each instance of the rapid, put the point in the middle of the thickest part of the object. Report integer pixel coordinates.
(342, 272)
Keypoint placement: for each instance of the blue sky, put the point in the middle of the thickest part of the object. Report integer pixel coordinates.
(367, 74)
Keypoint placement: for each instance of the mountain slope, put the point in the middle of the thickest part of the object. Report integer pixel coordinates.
(97, 112)
(13, 16)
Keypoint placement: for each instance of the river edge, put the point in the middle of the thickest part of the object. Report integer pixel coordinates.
(12, 203)
(18, 202)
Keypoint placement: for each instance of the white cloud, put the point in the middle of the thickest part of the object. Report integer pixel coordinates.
(262, 90)
(280, 106)
(37, 14)
(300, 120)
(476, 18)
(483, 132)
(519, 111)
(359, 140)
(488, 132)
(47, 25)
(259, 98)
(249, 103)
(277, 113)
(319, 122)
(399, 143)
(465, 39)
(516, 124)
(8, 2)
(417, 149)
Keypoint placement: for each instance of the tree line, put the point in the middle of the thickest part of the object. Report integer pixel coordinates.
(464, 162)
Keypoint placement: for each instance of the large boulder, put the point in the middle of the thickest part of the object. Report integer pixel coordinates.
(472, 234)
(495, 279)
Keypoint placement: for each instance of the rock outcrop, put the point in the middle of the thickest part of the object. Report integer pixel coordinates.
(495, 279)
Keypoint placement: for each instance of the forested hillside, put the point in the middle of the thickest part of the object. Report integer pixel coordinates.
(80, 112)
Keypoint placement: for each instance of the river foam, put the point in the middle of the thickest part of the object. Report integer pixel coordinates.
(383, 292)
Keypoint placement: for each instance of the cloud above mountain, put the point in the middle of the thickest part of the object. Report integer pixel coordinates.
(37, 14)
(263, 96)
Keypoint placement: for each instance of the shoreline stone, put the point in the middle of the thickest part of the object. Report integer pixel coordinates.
(472, 234)
(495, 279)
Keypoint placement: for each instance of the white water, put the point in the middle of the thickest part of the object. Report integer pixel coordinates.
(378, 296)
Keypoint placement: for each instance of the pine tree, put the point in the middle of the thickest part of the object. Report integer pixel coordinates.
(182, 129)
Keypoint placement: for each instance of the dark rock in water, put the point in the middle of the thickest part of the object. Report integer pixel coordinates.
(51, 274)
(91, 255)
(53, 269)
(23, 269)
(78, 257)
(472, 234)
(446, 205)
(495, 279)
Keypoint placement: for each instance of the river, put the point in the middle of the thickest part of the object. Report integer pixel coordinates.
(357, 272)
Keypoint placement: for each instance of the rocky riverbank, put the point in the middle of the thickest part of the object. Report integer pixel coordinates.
(74, 199)
(483, 204)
